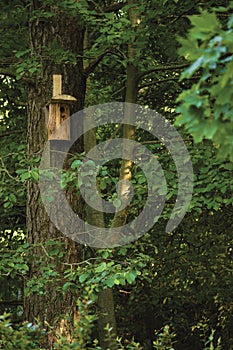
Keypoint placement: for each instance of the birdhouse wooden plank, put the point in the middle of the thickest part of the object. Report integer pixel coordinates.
(59, 111)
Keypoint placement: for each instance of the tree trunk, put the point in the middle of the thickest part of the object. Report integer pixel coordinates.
(128, 130)
(106, 310)
(105, 299)
(68, 34)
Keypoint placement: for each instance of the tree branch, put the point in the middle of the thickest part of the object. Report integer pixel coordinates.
(11, 302)
(7, 133)
(7, 72)
(163, 68)
(93, 64)
(114, 7)
(159, 81)
(155, 82)
(119, 90)
(110, 8)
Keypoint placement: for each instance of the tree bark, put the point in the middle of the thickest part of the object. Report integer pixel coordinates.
(105, 303)
(68, 33)
(132, 74)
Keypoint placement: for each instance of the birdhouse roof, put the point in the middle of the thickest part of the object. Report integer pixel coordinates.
(63, 98)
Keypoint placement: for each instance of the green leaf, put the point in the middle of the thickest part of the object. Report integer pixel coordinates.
(103, 184)
(131, 276)
(211, 129)
(76, 164)
(67, 286)
(35, 174)
(54, 251)
(110, 282)
(83, 277)
(12, 198)
(101, 267)
(106, 254)
(117, 203)
(21, 171)
(25, 176)
(141, 179)
(206, 22)
(122, 251)
(193, 68)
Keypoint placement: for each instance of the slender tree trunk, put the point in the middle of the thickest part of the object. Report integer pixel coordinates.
(106, 310)
(128, 130)
(66, 31)
(105, 298)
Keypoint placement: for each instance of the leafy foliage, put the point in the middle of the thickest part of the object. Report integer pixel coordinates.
(171, 290)
(206, 108)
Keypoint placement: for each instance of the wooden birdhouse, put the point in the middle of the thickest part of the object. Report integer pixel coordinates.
(58, 111)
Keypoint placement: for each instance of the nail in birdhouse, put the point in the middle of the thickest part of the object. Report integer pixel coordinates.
(59, 112)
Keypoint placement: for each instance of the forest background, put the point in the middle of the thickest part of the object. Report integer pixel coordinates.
(165, 290)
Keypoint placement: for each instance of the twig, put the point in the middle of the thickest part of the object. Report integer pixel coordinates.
(6, 171)
(80, 263)
(118, 90)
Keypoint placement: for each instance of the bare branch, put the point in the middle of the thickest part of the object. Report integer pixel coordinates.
(114, 7)
(159, 81)
(163, 68)
(11, 302)
(7, 72)
(110, 8)
(94, 63)
(119, 90)
(6, 171)
(7, 133)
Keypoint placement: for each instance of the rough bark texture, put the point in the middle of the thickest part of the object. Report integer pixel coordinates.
(68, 34)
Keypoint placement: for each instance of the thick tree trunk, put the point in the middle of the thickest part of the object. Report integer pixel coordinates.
(68, 34)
